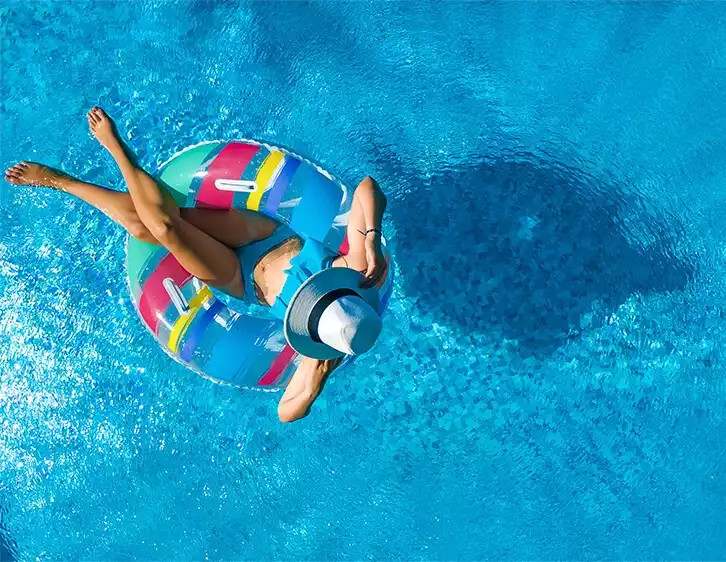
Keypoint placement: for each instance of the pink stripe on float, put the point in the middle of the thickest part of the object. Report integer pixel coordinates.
(229, 164)
(280, 363)
(154, 297)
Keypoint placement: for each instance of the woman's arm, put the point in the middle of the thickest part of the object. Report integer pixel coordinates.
(372, 201)
(365, 253)
(303, 388)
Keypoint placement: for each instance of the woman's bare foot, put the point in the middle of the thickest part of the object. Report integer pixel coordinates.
(103, 128)
(30, 173)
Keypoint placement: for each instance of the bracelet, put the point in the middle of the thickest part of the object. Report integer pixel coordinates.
(373, 230)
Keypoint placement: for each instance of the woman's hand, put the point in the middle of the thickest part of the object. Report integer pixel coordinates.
(375, 259)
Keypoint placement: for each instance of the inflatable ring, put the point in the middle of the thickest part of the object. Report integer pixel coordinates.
(218, 337)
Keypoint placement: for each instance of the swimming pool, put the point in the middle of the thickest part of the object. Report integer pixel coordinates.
(550, 381)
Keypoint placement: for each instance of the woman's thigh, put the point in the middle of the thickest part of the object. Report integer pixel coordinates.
(231, 227)
(204, 257)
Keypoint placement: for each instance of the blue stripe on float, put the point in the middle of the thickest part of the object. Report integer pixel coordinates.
(320, 202)
(283, 180)
(245, 351)
(197, 330)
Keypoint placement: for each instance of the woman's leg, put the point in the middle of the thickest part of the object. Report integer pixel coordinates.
(232, 228)
(198, 252)
(116, 205)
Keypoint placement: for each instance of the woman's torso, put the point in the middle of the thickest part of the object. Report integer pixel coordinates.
(265, 264)
(270, 272)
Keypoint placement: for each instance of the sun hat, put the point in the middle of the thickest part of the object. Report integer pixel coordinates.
(330, 315)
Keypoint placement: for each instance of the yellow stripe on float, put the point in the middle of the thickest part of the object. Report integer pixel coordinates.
(266, 175)
(184, 321)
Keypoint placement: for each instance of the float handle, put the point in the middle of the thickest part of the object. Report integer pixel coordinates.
(176, 296)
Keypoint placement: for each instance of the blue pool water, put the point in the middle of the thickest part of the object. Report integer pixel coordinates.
(550, 383)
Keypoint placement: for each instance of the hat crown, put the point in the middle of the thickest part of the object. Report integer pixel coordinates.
(331, 315)
(350, 325)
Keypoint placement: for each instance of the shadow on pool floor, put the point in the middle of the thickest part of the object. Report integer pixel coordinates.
(523, 247)
(7, 547)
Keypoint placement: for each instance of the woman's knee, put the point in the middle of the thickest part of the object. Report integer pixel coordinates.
(134, 226)
(140, 232)
(163, 229)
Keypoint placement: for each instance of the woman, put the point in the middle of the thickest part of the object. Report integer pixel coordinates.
(251, 256)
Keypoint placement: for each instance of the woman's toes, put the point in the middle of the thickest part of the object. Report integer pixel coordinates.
(11, 175)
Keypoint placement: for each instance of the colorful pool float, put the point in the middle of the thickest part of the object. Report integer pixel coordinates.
(231, 342)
